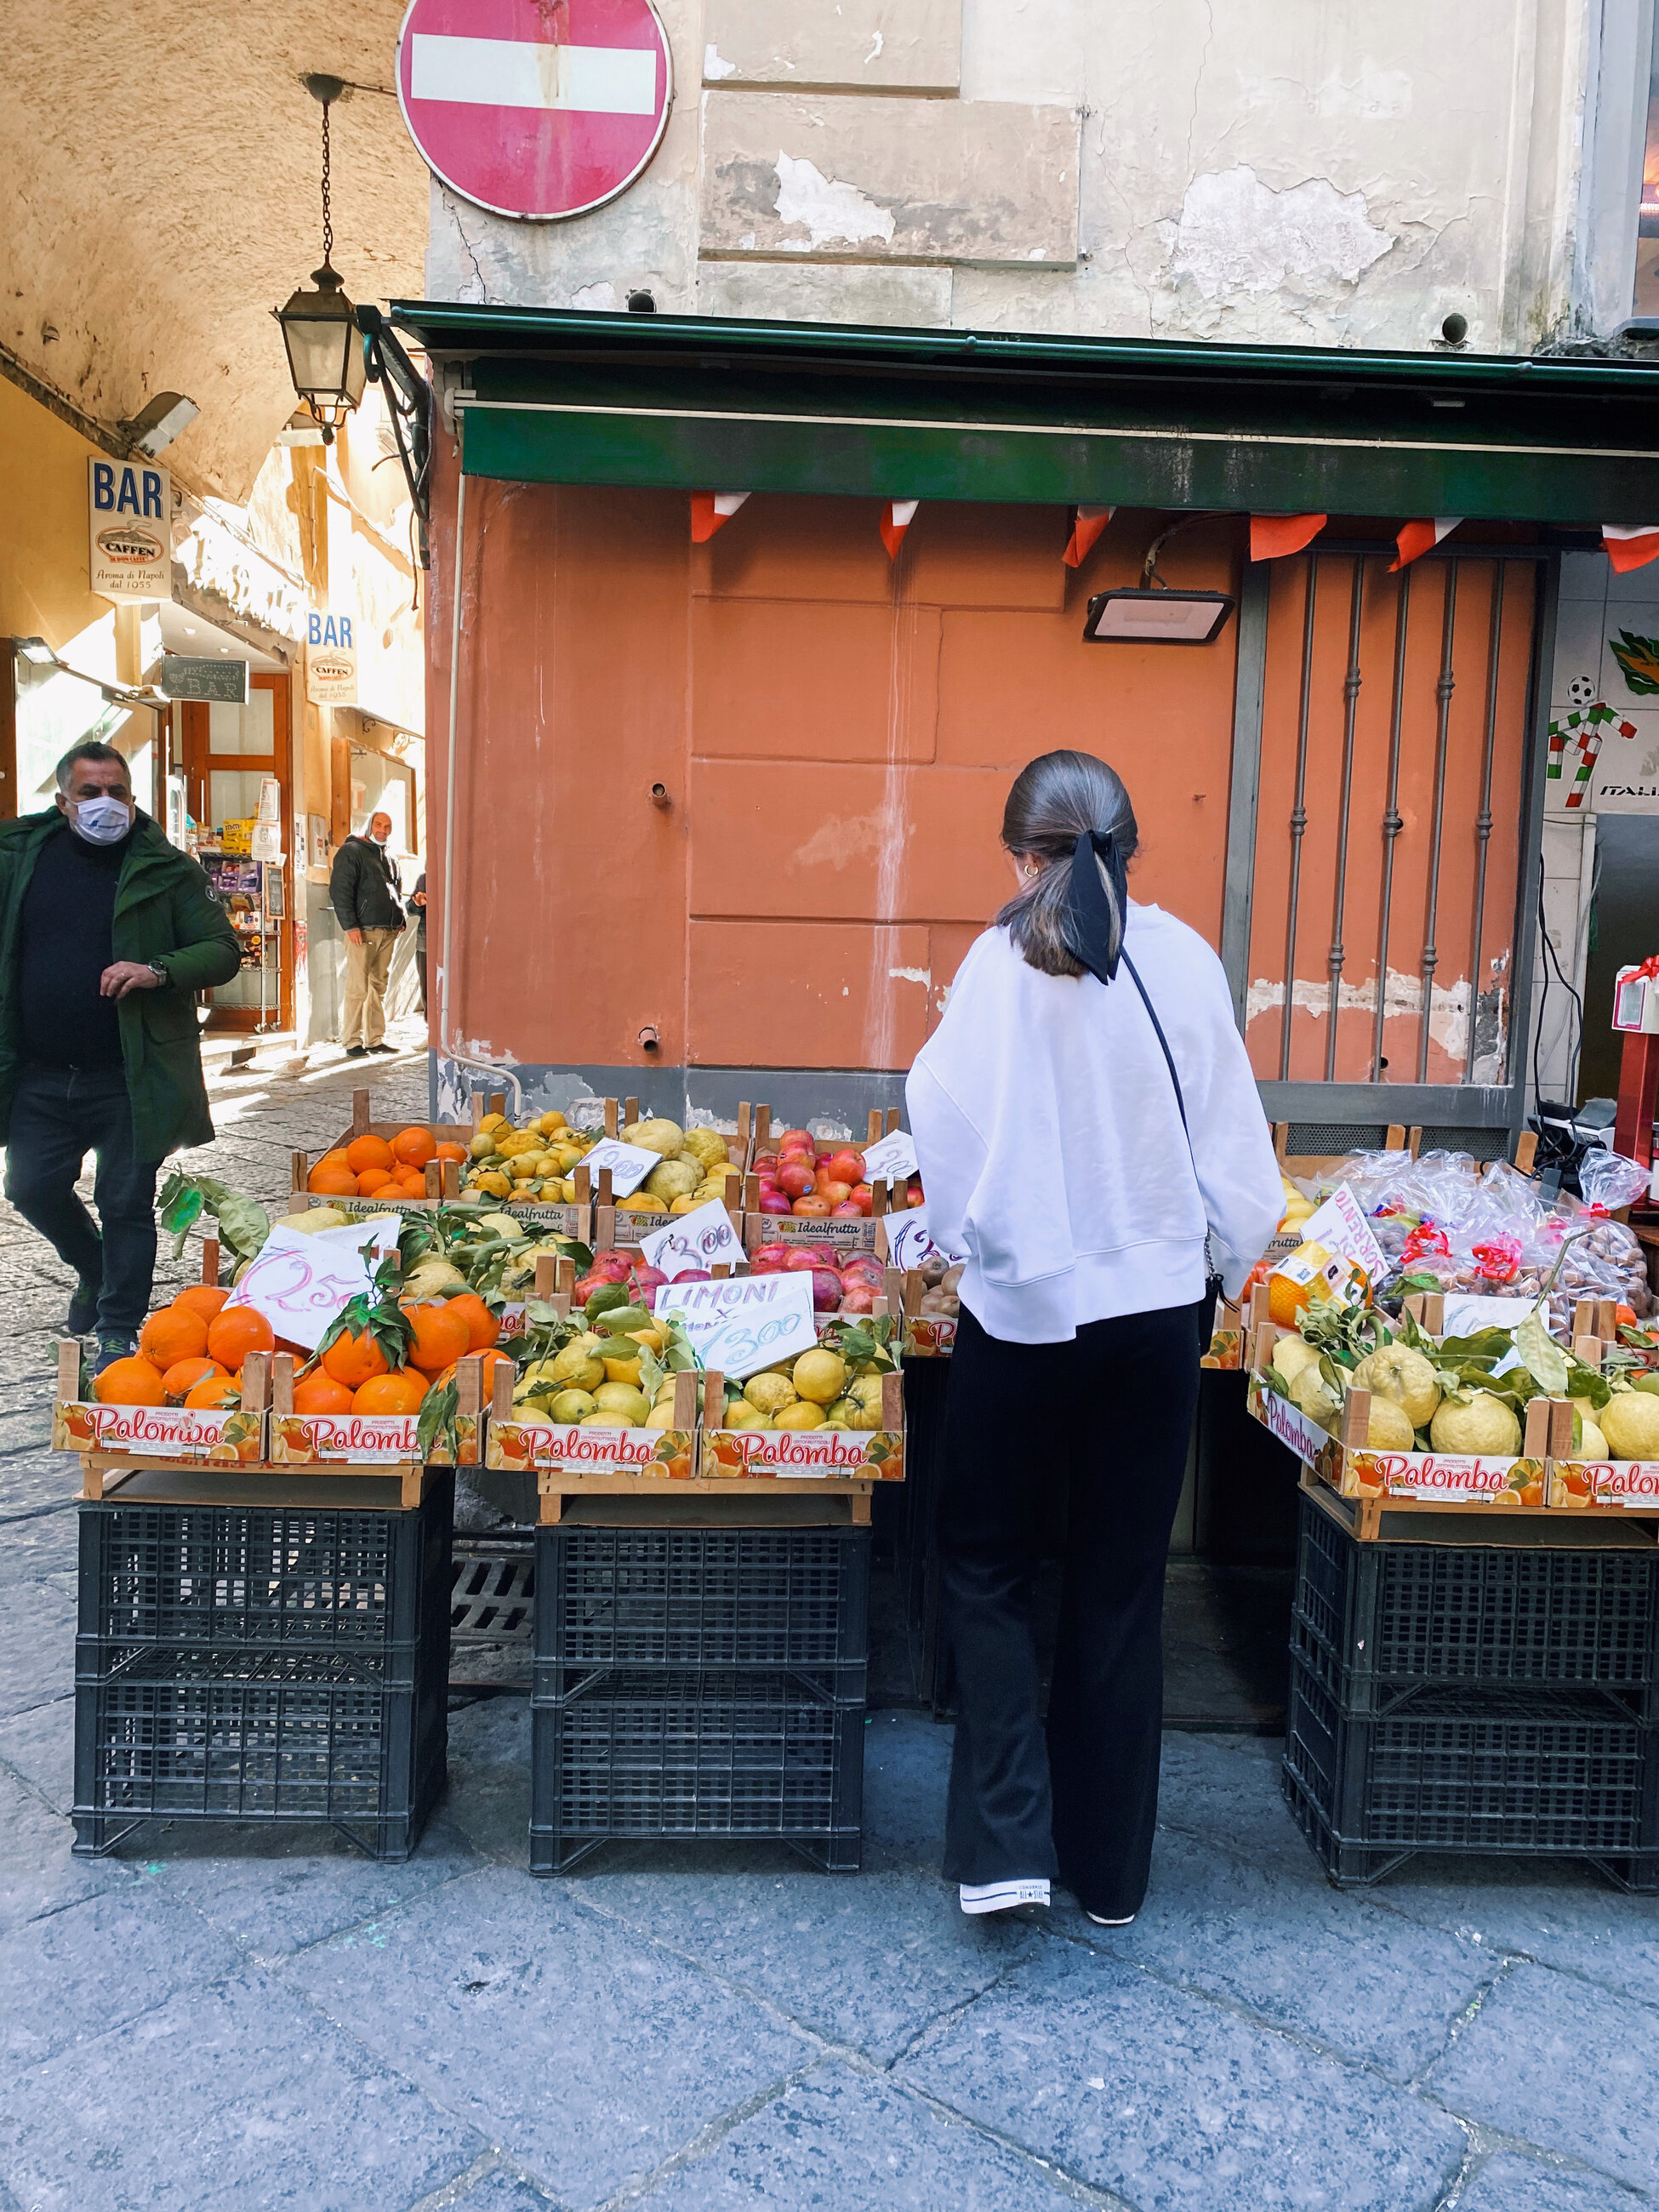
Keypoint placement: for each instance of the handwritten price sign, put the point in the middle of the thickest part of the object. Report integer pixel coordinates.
(909, 1243)
(745, 1324)
(890, 1158)
(299, 1283)
(702, 1239)
(629, 1165)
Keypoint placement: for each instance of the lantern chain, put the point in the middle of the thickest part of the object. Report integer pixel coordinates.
(328, 212)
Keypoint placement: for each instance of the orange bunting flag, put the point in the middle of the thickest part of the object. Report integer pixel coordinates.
(1273, 536)
(1631, 545)
(895, 518)
(1087, 523)
(712, 511)
(1416, 538)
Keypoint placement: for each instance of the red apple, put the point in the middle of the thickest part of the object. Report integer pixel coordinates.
(846, 1211)
(836, 1192)
(848, 1165)
(764, 1164)
(863, 1197)
(826, 1290)
(795, 1181)
(802, 1138)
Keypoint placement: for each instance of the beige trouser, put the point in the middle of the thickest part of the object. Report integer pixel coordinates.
(364, 1019)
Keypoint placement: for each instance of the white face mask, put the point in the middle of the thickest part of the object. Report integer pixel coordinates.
(378, 835)
(102, 821)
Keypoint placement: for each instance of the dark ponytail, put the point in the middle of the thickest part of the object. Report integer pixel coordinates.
(1070, 812)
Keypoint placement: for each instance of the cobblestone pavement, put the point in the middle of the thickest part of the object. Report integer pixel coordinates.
(226, 2020)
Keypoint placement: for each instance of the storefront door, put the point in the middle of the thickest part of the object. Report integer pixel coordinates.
(228, 753)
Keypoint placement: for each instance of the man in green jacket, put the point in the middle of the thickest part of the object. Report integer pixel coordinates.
(106, 931)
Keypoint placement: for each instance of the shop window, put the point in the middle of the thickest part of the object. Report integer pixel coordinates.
(56, 709)
(250, 729)
(1647, 221)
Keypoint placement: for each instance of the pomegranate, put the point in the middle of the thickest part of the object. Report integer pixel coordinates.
(694, 1275)
(857, 1297)
(647, 1280)
(798, 1257)
(826, 1290)
(774, 1202)
(768, 1259)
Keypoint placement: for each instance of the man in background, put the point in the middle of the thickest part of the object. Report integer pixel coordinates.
(362, 888)
(418, 900)
(106, 933)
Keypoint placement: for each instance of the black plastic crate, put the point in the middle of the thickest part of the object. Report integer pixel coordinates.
(723, 1753)
(259, 1576)
(1381, 1623)
(331, 1706)
(1516, 1773)
(678, 1597)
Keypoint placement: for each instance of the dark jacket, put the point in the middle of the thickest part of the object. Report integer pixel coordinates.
(164, 914)
(362, 887)
(420, 911)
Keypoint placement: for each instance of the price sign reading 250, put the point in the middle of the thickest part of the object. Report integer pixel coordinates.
(745, 1324)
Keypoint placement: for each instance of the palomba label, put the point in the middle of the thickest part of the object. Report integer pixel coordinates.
(1421, 1471)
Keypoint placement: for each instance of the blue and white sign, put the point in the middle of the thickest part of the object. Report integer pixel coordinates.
(331, 658)
(129, 529)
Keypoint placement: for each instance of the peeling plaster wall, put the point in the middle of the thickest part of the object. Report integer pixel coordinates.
(1282, 171)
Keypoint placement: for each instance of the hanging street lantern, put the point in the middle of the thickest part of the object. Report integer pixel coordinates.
(319, 326)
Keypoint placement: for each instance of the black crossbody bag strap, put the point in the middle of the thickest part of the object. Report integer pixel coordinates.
(1212, 1281)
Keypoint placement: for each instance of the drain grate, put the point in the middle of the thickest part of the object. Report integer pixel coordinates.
(492, 1596)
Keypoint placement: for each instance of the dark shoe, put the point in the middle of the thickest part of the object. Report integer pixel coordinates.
(83, 1308)
(112, 1348)
(383, 1048)
(356, 1051)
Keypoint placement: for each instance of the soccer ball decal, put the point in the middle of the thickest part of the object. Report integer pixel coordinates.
(1581, 690)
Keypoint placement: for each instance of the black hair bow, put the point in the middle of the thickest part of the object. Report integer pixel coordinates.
(1093, 930)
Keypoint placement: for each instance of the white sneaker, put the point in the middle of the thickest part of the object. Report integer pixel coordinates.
(1000, 1896)
(1100, 1920)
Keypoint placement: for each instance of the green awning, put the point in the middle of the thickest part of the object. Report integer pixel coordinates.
(696, 404)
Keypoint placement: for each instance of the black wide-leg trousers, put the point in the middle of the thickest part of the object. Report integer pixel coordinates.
(1109, 1415)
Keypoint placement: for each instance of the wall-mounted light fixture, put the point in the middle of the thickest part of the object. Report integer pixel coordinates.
(1152, 612)
(155, 428)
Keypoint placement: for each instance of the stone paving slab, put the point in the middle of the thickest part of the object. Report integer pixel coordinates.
(843, 2141)
(500, 2191)
(40, 1640)
(1176, 2103)
(1558, 1912)
(1506, 2183)
(238, 2094)
(91, 1969)
(1557, 2063)
(38, 1875)
(39, 1747)
(865, 1960)
(589, 2056)
(1283, 1942)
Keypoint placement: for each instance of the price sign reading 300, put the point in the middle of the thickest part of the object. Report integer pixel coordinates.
(745, 1324)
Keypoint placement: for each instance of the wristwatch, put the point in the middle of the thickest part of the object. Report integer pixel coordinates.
(159, 973)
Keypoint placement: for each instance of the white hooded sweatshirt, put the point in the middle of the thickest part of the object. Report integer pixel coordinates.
(1050, 1145)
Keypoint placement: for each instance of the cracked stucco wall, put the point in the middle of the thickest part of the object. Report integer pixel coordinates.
(1332, 174)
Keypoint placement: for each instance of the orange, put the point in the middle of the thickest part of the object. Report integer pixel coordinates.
(490, 1360)
(319, 1393)
(215, 1394)
(170, 1335)
(440, 1336)
(400, 1392)
(204, 1299)
(415, 1147)
(410, 1183)
(367, 1152)
(183, 1375)
(481, 1326)
(236, 1332)
(134, 1382)
(354, 1360)
(331, 1181)
(373, 1179)
(459, 1153)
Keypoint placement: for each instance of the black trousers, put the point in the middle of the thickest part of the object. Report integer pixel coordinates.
(1109, 1415)
(57, 1117)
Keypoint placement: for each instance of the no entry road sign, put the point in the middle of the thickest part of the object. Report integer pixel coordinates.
(535, 109)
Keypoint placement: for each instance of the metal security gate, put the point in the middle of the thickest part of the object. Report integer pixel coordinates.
(1383, 838)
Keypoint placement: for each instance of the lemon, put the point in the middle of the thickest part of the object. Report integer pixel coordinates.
(690, 1203)
(524, 1166)
(622, 1398)
(660, 1136)
(1291, 1354)
(641, 1202)
(549, 1122)
(574, 1369)
(494, 1122)
(803, 1415)
(621, 1370)
(1485, 1425)
(1630, 1423)
(492, 1180)
(1396, 1371)
(705, 1145)
(570, 1407)
(744, 1413)
(673, 1179)
(612, 1417)
(840, 1415)
(867, 1390)
(769, 1392)
(1311, 1394)
(819, 1376)
(1388, 1427)
(1592, 1444)
(481, 1145)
